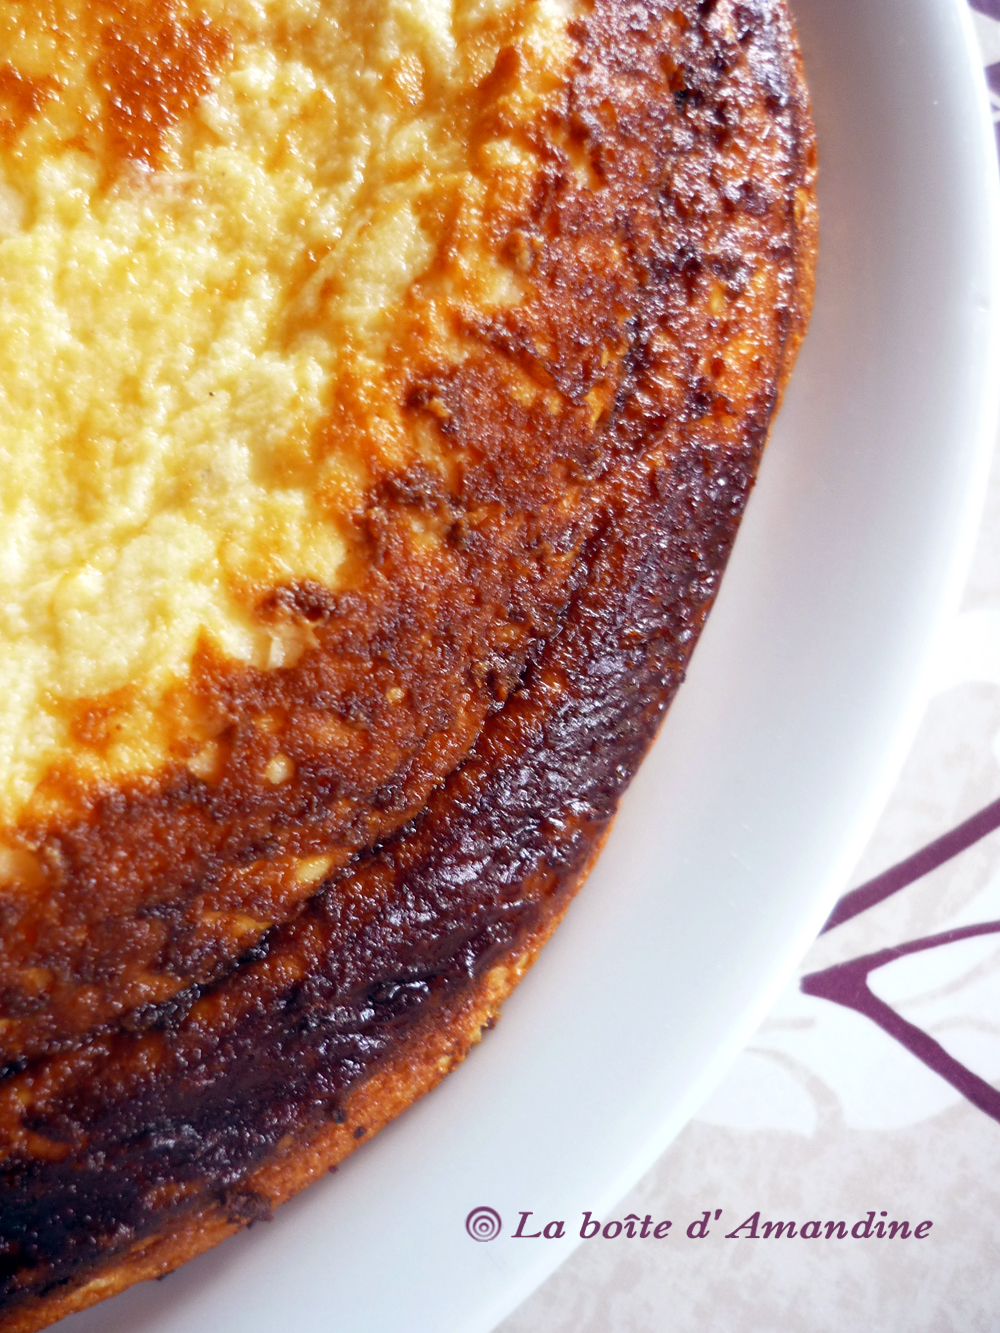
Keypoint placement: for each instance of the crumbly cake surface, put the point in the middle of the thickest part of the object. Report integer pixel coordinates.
(404, 374)
(212, 220)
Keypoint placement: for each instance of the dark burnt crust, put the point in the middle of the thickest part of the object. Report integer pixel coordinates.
(192, 1104)
(582, 554)
(432, 1048)
(699, 141)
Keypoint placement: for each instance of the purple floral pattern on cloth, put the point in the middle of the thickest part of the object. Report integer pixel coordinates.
(990, 9)
(935, 854)
(847, 983)
(993, 83)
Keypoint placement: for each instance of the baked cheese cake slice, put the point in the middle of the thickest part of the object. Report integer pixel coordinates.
(381, 384)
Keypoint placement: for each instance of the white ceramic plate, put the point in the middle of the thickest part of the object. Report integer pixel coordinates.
(757, 797)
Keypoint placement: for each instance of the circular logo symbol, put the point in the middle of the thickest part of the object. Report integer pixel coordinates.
(483, 1224)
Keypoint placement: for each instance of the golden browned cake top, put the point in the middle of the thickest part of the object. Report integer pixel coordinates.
(326, 331)
(382, 387)
(212, 223)
(240, 246)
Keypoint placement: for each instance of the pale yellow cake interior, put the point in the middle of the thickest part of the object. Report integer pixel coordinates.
(179, 295)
